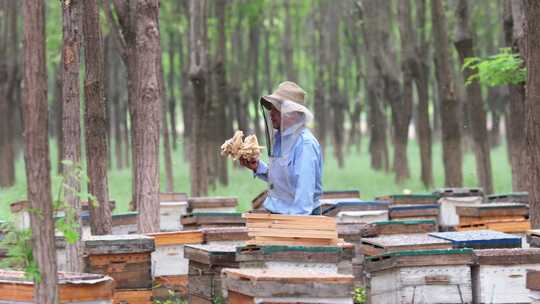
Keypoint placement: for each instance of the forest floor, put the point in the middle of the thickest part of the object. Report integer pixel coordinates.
(357, 174)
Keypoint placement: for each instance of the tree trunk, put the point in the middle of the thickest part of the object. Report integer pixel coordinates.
(420, 70)
(532, 106)
(198, 72)
(167, 154)
(451, 135)
(71, 121)
(514, 36)
(254, 31)
(57, 116)
(117, 114)
(320, 100)
(222, 88)
(465, 46)
(372, 16)
(337, 101)
(287, 43)
(146, 110)
(36, 151)
(7, 95)
(172, 95)
(96, 121)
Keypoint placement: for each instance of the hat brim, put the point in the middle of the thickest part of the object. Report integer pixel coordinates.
(270, 101)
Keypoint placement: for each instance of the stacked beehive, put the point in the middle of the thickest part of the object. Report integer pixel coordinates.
(412, 206)
(127, 259)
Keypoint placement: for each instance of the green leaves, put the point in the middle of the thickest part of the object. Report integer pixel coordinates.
(500, 69)
(18, 246)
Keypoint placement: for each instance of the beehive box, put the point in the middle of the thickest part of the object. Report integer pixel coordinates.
(533, 238)
(298, 286)
(168, 258)
(329, 198)
(533, 284)
(504, 217)
(205, 265)
(430, 276)
(400, 242)
(353, 225)
(212, 204)
(126, 258)
(328, 259)
(500, 275)
(448, 216)
(405, 226)
(170, 214)
(73, 288)
(480, 239)
(410, 199)
(515, 197)
(414, 212)
(212, 219)
(459, 192)
(166, 287)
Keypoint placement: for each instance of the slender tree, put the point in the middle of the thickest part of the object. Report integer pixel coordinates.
(198, 72)
(222, 88)
(36, 151)
(465, 46)
(71, 119)
(514, 37)
(9, 85)
(95, 120)
(171, 84)
(320, 100)
(451, 135)
(532, 106)
(146, 109)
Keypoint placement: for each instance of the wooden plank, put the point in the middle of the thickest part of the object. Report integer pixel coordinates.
(303, 218)
(288, 225)
(465, 220)
(405, 227)
(292, 241)
(141, 296)
(212, 202)
(178, 237)
(173, 197)
(118, 244)
(130, 271)
(493, 209)
(163, 285)
(225, 234)
(301, 233)
(238, 298)
(296, 276)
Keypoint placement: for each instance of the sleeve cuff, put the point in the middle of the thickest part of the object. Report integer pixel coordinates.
(262, 169)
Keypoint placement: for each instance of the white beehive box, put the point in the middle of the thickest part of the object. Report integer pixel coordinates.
(170, 214)
(448, 216)
(423, 276)
(500, 275)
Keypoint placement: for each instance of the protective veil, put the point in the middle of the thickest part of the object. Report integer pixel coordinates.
(281, 143)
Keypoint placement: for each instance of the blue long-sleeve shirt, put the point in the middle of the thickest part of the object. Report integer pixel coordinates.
(304, 169)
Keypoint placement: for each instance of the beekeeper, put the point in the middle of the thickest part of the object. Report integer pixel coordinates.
(295, 168)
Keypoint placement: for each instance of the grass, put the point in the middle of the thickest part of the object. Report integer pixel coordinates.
(357, 174)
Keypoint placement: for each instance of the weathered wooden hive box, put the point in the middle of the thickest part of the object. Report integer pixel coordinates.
(425, 276)
(410, 199)
(480, 239)
(514, 197)
(459, 192)
(172, 206)
(328, 259)
(225, 235)
(352, 205)
(212, 204)
(21, 215)
(505, 217)
(405, 226)
(353, 225)
(205, 265)
(414, 212)
(400, 242)
(278, 286)
(212, 219)
(73, 288)
(448, 217)
(125, 258)
(500, 275)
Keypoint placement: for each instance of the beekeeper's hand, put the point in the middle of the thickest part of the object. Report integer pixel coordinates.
(252, 164)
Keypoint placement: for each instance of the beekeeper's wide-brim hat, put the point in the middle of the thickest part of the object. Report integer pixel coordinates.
(287, 90)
